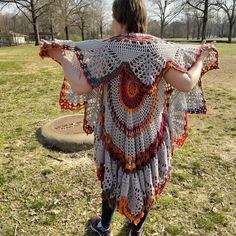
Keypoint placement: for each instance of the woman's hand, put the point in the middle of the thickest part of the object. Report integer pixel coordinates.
(43, 41)
(206, 49)
(50, 49)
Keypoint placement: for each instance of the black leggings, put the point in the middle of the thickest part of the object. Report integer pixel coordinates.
(108, 208)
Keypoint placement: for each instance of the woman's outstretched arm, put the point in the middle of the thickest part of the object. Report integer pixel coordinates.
(184, 81)
(73, 74)
(187, 81)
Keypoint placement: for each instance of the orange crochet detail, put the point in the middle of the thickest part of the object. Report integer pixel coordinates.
(132, 163)
(123, 203)
(123, 209)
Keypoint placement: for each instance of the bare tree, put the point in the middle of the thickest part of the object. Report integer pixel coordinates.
(229, 7)
(32, 10)
(47, 22)
(70, 12)
(6, 23)
(153, 27)
(188, 21)
(203, 6)
(100, 16)
(167, 11)
(14, 22)
(193, 22)
(198, 16)
(65, 10)
(234, 34)
(89, 18)
(80, 20)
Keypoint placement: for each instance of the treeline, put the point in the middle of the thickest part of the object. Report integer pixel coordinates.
(88, 19)
(59, 17)
(199, 18)
(217, 27)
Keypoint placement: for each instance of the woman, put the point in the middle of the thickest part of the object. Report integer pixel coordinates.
(136, 90)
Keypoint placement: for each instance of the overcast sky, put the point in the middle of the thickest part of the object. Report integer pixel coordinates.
(108, 4)
(108, 8)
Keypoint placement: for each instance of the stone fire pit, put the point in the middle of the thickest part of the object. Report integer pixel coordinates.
(66, 134)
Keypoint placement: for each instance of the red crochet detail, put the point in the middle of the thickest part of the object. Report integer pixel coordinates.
(63, 101)
(132, 95)
(131, 163)
(181, 140)
(100, 172)
(130, 91)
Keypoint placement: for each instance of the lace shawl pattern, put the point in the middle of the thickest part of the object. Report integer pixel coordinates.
(135, 116)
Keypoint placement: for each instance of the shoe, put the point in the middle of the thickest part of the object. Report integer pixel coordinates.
(93, 226)
(133, 232)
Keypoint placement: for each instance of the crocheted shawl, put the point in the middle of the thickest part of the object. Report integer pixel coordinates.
(135, 115)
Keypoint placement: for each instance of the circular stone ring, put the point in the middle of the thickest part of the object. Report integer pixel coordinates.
(66, 134)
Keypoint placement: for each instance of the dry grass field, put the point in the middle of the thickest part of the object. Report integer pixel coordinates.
(43, 196)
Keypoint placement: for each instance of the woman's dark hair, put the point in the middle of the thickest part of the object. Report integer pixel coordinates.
(131, 13)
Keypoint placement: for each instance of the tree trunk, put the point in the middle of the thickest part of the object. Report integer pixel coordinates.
(204, 28)
(82, 30)
(162, 29)
(222, 30)
(52, 31)
(67, 33)
(101, 30)
(194, 30)
(188, 27)
(205, 19)
(198, 30)
(36, 32)
(51, 27)
(35, 25)
(231, 25)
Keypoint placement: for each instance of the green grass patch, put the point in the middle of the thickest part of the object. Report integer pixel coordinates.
(197, 183)
(180, 177)
(208, 220)
(10, 66)
(3, 180)
(232, 98)
(8, 231)
(215, 198)
(38, 203)
(174, 193)
(166, 200)
(49, 219)
(174, 230)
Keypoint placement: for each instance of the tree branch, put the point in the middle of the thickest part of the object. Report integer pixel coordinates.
(3, 6)
(24, 14)
(196, 7)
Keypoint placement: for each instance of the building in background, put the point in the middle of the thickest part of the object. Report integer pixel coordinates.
(12, 38)
(42, 35)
